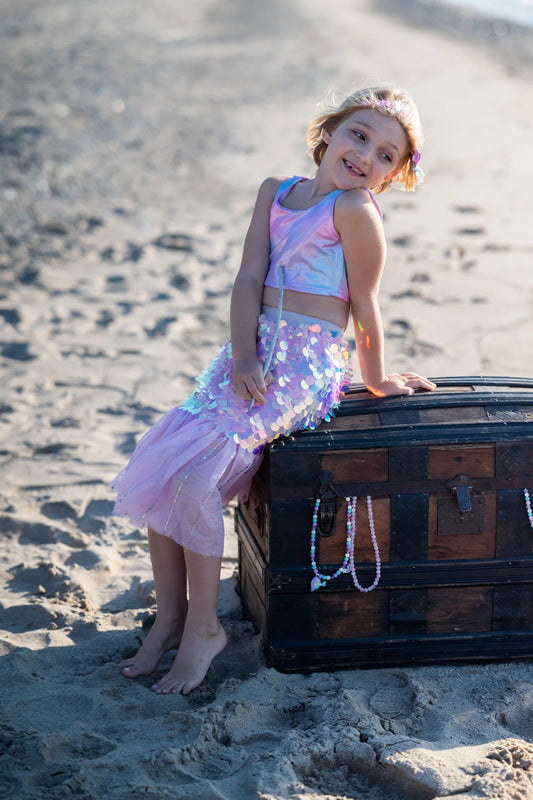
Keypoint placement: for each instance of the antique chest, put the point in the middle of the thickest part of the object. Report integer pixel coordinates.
(425, 498)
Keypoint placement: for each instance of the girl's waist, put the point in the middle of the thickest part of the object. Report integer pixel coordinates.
(295, 318)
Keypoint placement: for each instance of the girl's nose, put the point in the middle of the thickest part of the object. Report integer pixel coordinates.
(365, 155)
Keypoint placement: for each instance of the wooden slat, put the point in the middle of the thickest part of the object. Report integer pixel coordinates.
(349, 615)
(510, 412)
(457, 414)
(365, 421)
(450, 460)
(352, 466)
(464, 610)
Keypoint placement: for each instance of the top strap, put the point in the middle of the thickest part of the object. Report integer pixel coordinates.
(374, 201)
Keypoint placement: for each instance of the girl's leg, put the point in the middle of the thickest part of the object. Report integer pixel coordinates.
(203, 636)
(170, 579)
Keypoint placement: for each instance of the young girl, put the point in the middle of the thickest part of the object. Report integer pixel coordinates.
(314, 250)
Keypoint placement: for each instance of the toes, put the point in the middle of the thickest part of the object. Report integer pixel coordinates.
(173, 686)
(130, 672)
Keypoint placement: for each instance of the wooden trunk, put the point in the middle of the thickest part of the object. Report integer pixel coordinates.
(446, 473)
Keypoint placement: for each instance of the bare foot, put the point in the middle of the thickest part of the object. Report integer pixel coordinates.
(159, 641)
(195, 654)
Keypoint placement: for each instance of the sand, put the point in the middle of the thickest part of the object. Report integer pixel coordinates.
(133, 138)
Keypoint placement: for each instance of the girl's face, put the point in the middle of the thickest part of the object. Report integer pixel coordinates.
(365, 150)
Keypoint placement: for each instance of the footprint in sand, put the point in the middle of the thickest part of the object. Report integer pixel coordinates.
(58, 510)
(160, 328)
(470, 231)
(17, 351)
(47, 580)
(39, 533)
(11, 316)
(121, 252)
(420, 277)
(179, 281)
(175, 241)
(517, 716)
(395, 698)
(65, 751)
(28, 617)
(413, 347)
(95, 517)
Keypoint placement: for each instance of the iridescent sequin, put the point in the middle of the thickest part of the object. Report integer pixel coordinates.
(310, 368)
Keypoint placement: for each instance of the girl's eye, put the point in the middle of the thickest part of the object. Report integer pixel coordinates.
(386, 157)
(360, 135)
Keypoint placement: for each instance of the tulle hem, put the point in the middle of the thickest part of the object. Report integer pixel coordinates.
(203, 453)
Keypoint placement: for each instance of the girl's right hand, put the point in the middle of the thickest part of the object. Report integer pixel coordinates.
(402, 383)
(248, 380)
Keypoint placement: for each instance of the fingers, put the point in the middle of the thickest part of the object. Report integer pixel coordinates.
(416, 381)
(250, 390)
(402, 383)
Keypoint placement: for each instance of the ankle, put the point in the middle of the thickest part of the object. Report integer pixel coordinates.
(207, 629)
(170, 620)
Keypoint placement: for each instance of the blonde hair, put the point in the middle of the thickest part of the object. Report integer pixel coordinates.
(389, 101)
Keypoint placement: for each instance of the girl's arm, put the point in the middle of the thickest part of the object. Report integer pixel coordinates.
(246, 297)
(363, 241)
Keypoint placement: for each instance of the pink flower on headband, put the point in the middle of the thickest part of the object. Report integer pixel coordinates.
(400, 107)
(418, 171)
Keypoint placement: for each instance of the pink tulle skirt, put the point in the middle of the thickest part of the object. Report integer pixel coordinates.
(205, 452)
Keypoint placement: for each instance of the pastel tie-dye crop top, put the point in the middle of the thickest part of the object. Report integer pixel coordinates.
(307, 245)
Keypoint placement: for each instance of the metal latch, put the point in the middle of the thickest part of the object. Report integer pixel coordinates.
(330, 502)
(460, 486)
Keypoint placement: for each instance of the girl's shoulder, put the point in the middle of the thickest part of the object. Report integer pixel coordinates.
(270, 186)
(356, 210)
(359, 201)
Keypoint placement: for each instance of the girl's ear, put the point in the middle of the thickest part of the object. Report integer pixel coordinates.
(326, 135)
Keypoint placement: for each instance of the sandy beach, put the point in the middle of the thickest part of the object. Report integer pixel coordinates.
(133, 137)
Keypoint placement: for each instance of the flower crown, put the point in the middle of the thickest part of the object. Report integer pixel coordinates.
(405, 114)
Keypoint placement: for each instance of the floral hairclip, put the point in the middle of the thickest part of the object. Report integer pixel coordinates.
(415, 162)
(396, 106)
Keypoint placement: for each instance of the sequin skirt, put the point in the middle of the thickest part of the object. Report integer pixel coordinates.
(205, 452)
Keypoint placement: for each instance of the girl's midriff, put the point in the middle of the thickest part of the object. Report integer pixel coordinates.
(332, 309)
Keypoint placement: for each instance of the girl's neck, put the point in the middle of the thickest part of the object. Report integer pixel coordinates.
(307, 193)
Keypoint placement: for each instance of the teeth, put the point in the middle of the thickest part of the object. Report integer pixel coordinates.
(352, 168)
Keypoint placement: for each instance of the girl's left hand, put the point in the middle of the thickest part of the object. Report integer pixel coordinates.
(402, 383)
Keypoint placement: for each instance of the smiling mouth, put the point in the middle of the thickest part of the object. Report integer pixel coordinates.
(353, 169)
